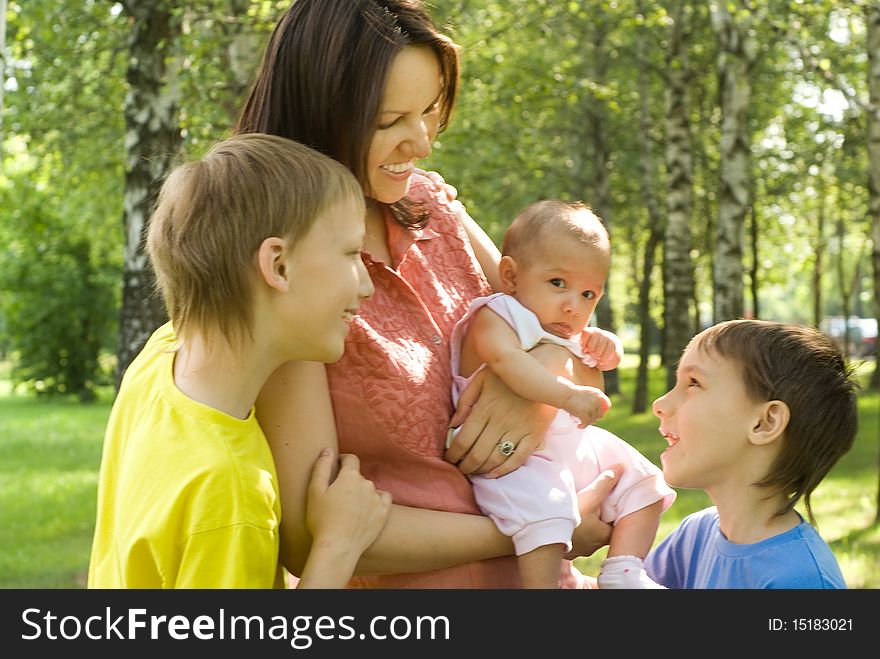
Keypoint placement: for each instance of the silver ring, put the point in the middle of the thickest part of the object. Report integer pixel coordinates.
(506, 448)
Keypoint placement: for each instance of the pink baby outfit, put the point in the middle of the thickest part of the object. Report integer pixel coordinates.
(537, 504)
(391, 389)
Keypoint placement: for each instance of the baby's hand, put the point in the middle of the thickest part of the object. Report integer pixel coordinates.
(348, 512)
(605, 347)
(589, 404)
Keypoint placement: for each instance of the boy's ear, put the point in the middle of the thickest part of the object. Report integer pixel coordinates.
(272, 263)
(507, 270)
(771, 423)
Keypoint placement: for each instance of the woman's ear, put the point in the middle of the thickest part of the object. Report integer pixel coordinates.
(272, 263)
(507, 270)
(771, 423)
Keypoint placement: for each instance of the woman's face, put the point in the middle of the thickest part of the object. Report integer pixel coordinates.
(407, 122)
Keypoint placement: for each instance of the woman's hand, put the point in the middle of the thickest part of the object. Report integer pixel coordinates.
(593, 533)
(491, 415)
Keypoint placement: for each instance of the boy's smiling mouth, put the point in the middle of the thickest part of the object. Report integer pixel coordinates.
(671, 438)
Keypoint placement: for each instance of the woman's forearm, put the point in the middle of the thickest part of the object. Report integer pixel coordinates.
(420, 540)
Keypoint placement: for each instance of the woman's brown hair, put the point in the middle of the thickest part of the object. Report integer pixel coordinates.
(324, 72)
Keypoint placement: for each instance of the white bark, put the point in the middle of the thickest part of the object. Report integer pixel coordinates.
(152, 142)
(2, 73)
(678, 277)
(873, 21)
(737, 51)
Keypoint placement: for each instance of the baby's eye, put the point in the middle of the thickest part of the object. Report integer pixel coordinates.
(559, 283)
(589, 294)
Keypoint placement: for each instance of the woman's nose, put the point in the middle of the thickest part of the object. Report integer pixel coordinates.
(419, 142)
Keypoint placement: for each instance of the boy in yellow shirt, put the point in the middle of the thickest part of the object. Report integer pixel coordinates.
(256, 249)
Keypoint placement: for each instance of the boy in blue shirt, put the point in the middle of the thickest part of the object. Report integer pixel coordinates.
(759, 414)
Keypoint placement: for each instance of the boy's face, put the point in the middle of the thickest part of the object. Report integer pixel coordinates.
(561, 283)
(328, 282)
(706, 419)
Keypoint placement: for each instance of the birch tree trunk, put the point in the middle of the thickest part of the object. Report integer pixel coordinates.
(2, 73)
(241, 54)
(754, 268)
(819, 251)
(152, 141)
(737, 51)
(656, 225)
(678, 278)
(601, 185)
(873, 21)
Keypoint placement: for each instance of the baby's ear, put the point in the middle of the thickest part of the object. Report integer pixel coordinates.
(507, 270)
(771, 422)
(272, 263)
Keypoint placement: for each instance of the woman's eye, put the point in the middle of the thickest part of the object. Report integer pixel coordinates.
(693, 383)
(388, 125)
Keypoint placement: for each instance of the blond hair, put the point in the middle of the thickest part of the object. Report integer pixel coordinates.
(551, 219)
(214, 213)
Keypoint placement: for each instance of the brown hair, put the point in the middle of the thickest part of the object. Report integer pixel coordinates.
(538, 220)
(803, 368)
(214, 213)
(324, 72)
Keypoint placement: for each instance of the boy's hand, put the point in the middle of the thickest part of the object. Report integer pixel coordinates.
(604, 346)
(345, 514)
(588, 404)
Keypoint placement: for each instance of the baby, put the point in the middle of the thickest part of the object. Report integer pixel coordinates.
(555, 262)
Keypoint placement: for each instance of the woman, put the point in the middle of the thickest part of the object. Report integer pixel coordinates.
(371, 83)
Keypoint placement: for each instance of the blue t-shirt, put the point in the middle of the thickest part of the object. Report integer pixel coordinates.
(697, 555)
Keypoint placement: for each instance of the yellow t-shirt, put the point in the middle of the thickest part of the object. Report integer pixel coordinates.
(187, 494)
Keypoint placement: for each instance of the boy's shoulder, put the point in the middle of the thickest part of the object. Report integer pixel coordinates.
(699, 523)
(161, 341)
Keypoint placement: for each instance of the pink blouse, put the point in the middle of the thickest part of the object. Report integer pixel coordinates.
(391, 390)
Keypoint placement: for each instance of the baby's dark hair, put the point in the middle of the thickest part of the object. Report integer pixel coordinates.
(804, 368)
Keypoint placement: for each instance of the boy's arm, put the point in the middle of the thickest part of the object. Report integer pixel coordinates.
(498, 346)
(295, 412)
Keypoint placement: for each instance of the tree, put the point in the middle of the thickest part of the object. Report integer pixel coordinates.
(153, 140)
(678, 279)
(736, 57)
(873, 47)
(656, 220)
(2, 73)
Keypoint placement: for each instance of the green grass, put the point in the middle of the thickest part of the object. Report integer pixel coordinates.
(50, 453)
(844, 504)
(49, 457)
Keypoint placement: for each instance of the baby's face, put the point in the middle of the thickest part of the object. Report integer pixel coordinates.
(561, 284)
